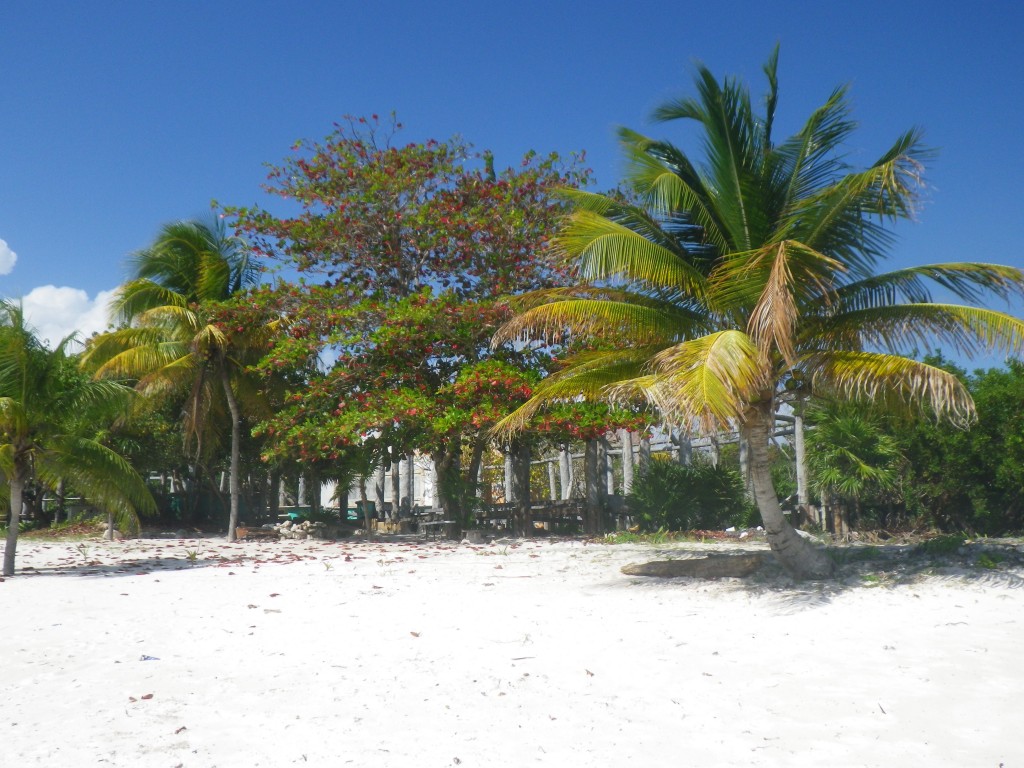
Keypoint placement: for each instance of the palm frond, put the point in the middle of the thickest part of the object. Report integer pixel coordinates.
(972, 282)
(809, 161)
(587, 376)
(903, 328)
(139, 296)
(623, 321)
(709, 380)
(606, 250)
(667, 181)
(109, 482)
(890, 381)
(839, 221)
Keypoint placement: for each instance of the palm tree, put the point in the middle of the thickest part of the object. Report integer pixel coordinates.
(171, 336)
(39, 398)
(718, 283)
(851, 457)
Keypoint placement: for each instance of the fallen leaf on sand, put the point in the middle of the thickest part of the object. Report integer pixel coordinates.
(415, 634)
(179, 730)
(147, 696)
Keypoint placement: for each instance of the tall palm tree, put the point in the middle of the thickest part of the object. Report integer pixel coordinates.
(171, 340)
(39, 398)
(718, 283)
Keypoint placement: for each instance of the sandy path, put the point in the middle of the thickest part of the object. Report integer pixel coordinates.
(539, 654)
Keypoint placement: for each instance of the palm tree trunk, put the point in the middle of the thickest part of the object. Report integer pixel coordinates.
(797, 555)
(236, 449)
(17, 486)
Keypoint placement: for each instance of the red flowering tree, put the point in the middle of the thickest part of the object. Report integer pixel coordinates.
(406, 251)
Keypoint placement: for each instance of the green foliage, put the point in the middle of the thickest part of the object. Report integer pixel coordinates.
(941, 545)
(719, 278)
(990, 562)
(320, 516)
(674, 497)
(50, 420)
(970, 480)
(410, 250)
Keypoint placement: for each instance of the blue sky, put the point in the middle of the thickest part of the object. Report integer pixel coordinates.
(119, 116)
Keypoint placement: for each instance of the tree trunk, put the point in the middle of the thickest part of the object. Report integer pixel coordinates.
(365, 506)
(17, 486)
(644, 456)
(236, 450)
(552, 482)
(448, 465)
(684, 447)
(797, 555)
(520, 453)
(379, 485)
(408, 487)
(396, 484)
(715, 450)
(592, 522)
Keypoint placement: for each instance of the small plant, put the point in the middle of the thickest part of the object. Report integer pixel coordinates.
(988, 561)
(624, 537)
(192, 555)
(328, 565)
(672, 497)
(941, 545)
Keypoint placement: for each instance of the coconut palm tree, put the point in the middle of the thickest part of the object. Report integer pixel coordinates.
(173, 338)
(40, 396)
(716, 284)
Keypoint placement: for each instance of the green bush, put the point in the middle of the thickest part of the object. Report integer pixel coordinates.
(700, 496)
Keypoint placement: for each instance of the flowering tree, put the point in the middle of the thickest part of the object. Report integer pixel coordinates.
(407, 250)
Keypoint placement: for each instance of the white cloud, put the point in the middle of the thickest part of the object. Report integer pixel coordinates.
(57, 312)
(7, 258)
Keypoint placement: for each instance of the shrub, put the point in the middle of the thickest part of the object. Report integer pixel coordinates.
(700, 496)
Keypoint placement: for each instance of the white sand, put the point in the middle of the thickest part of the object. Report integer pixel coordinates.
(536, 654)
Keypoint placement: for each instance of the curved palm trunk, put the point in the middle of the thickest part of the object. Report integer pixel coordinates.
(797, 555)
(236, 441)
(17, 486)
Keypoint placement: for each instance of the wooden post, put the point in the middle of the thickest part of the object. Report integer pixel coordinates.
(565, 470)
(607, 468)
(800, 448)
(510, 489)
(626, 438)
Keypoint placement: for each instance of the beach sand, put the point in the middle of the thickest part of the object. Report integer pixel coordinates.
(507, 654)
